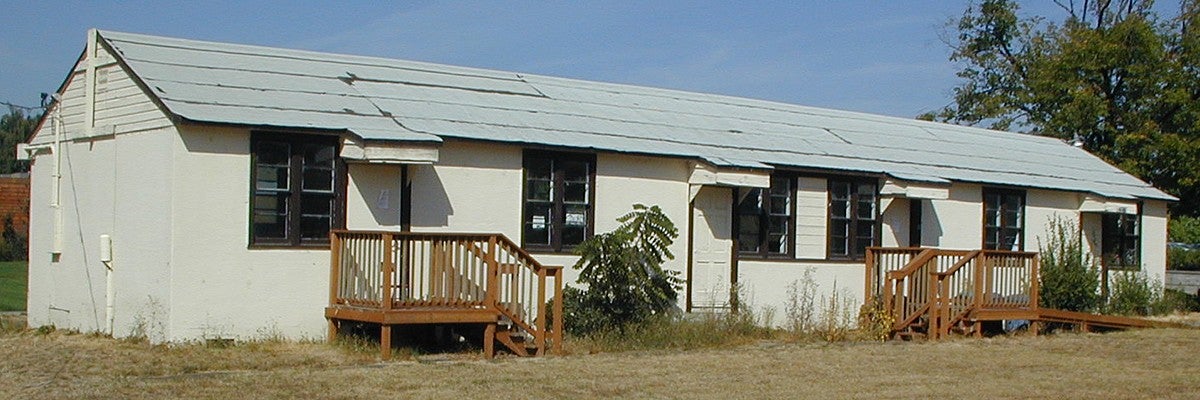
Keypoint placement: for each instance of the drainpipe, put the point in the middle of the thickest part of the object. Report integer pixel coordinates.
(109, 290)
(56, 126)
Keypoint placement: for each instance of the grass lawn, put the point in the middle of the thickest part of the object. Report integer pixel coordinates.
(1151, 363)
(13, 284)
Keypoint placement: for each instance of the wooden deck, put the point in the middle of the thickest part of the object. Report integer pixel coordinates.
(935, 292)
(397, 278)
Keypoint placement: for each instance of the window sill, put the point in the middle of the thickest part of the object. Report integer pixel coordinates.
(802, 260)
(550, 252)
(324, 246)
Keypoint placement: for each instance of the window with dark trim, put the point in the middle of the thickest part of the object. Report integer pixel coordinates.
(1120, 241)
(1003, 219)
(853, 217)
(296, 189)
(766, 219)
(557, 200)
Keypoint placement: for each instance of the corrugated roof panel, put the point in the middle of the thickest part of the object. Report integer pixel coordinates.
(386, 99)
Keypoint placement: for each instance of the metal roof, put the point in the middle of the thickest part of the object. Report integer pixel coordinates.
(386, 99)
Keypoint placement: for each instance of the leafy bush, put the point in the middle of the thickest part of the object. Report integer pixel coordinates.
(1183, 259)
(1184, 229)
(1068, 279)
(1132, 293)
(623, 272)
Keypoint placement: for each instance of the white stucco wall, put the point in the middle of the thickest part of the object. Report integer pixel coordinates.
(116, 186)
(373, 196)
(219, 286)
(1154, 239)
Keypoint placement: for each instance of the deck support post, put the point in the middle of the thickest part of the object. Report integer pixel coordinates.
(557, 333)
(489, 341)
(385, 341)
(333, 330)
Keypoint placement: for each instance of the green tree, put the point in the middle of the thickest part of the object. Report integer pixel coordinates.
(1113, 75)
(15, 127)
(623, 273)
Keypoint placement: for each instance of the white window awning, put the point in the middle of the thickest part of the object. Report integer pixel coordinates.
(706, 174)
(388, 152)
(1101, 204)
(914, 190)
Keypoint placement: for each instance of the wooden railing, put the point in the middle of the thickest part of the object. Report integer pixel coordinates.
(392, 271)
(946, 285)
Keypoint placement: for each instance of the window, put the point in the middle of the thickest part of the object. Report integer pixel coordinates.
(1003, 219)
(1120, 241)
(765, 219)
(558, 199)
(297, 189)
(853, 217)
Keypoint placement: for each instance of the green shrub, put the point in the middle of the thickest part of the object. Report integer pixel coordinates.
(1183, 259)
(623, 272)
(1132, 293)
(1176, 301)
(1068, 279)
(14, 246)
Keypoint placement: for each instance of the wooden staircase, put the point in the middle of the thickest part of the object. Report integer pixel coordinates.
(932, 293)
(396, 278)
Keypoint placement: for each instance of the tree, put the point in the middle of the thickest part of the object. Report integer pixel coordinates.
(623, 273)
(1114, 76)
(15, 127)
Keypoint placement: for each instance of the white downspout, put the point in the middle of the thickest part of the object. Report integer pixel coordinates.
(110, 291)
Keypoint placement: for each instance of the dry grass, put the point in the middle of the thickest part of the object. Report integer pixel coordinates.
(1155, 363)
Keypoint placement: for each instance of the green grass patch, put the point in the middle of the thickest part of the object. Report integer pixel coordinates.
(14, 284)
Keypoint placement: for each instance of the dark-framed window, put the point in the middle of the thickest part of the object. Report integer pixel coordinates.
(1003, 219)
(1120, 241)
(766, 219)
(557, 200)
(297, 189)
(853, 217)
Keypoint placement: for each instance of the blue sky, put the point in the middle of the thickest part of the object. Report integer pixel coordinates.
(884, 57)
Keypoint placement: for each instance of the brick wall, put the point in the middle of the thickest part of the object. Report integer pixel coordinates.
(14, 199)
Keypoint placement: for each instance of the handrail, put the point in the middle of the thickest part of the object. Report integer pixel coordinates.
(958, 265)
(388, 270)
(922, 258)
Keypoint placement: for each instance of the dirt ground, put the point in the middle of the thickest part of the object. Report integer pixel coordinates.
(1151, 363)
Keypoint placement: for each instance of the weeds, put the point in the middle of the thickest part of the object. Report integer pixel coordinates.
(800, 308)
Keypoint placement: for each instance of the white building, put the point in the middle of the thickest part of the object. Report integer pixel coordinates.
(217, 171)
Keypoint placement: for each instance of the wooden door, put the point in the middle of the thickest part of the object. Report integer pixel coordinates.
(712, 242)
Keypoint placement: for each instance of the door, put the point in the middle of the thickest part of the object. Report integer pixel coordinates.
(712, 241)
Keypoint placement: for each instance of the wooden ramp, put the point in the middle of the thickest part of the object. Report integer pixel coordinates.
(933, 292)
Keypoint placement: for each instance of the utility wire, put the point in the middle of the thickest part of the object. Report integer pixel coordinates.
(26, 108)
